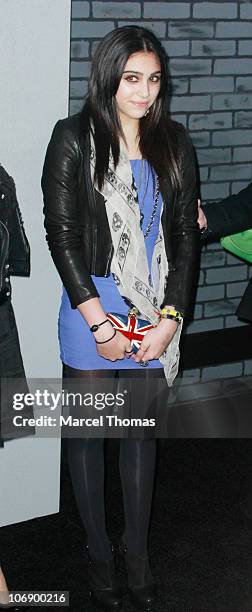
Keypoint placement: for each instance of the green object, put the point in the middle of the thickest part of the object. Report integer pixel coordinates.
(239, 244)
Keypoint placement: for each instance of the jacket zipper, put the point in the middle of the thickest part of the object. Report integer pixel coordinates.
(95, 238)
(95, 229)
(4, 251)
(91, 194)
(109, 260)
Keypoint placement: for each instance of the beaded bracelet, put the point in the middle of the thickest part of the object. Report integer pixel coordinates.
(171, 313)
(96, 326)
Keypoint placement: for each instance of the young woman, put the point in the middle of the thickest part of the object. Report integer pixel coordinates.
(120, 204)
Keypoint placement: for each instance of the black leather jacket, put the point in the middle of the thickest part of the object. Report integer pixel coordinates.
(77, 227)
(14, 246)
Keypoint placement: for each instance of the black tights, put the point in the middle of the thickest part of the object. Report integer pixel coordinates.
(137, 466)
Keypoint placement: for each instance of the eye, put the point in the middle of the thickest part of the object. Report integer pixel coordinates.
(131, 78)
(155, 78)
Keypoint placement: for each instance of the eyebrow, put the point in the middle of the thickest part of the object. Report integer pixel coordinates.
(137, 72)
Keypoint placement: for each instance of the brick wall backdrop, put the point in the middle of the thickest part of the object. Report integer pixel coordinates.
(210, 47)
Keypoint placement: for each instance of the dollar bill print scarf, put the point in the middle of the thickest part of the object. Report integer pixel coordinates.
(129, 264)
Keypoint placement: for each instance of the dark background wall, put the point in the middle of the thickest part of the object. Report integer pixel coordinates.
(210, 47)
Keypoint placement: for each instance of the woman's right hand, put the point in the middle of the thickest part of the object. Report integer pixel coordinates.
(116, 347)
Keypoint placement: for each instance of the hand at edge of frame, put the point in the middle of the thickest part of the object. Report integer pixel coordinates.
(202, 220)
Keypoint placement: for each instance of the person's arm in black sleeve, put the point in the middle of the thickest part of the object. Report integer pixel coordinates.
(185, 234)
(230, 216)
(63, 233)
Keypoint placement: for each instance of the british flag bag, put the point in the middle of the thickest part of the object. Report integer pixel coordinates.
(131, 326)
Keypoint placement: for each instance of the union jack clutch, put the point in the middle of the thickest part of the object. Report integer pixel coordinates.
(130, 326)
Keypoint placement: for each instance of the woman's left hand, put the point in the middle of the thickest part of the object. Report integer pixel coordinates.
(156, 341)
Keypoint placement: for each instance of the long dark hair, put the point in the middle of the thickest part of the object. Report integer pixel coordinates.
(158, 136)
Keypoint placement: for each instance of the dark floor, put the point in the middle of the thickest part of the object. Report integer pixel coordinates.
(200, 544)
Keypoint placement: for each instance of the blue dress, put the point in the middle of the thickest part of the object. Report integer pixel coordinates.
(77, 344)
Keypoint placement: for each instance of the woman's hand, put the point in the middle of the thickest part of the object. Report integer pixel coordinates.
(94, 314)
(116, 347)
(156, 341)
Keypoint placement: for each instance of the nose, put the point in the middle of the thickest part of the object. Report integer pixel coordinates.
(144, 89)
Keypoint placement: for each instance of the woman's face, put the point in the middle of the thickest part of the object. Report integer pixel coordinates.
(139, 85)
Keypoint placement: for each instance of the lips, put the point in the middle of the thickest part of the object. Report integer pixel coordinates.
(140, 104)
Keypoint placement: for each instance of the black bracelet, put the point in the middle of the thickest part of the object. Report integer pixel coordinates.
(95, 327)
(104, 341)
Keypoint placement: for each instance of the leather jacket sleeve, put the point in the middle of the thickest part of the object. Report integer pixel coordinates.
(230, 216)
(14, 246)
(63, 232)
(185, 234)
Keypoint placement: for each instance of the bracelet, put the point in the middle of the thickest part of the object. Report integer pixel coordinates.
(171, 313)
(104, 341)
(172, 318)
(96, 326)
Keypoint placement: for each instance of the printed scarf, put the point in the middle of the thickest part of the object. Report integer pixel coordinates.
(129, 265)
